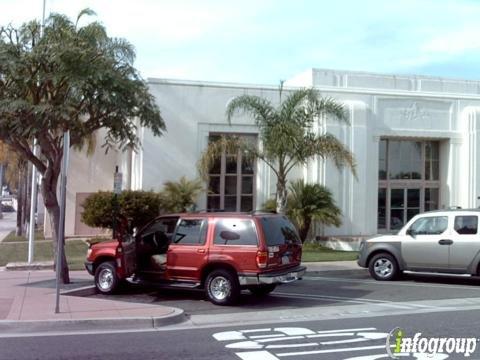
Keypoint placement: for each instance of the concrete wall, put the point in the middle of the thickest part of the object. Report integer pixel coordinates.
(380, 106)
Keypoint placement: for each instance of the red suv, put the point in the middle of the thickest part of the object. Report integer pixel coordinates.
(220, 252)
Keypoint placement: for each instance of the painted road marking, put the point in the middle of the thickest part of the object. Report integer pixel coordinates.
(391, 304)
(260, 347)
(391, 283)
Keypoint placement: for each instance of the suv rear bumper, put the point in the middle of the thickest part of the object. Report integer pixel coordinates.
(276, 277)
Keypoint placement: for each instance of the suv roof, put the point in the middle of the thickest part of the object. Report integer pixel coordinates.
(225, 214)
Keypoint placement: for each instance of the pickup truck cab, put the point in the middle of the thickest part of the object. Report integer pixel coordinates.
(222, 253)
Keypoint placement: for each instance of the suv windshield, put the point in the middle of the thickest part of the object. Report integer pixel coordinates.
(279, 231)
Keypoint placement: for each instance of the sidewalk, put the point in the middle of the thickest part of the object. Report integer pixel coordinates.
(331, 266)
(27, 304)
(7, 224)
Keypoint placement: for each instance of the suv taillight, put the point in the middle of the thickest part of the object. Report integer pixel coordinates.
(262, 259)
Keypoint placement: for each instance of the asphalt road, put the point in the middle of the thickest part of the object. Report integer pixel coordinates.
(329, 288)
(347, 339)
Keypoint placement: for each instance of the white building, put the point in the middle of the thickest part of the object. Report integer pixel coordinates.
(414, 139)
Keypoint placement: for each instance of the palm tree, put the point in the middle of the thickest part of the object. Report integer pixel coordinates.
(308, 202)
(180, 196)
(287, 135)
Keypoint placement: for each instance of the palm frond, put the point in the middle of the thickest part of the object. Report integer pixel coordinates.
(328, 146)
(261, 109)
(215, 149)
(181, 195)
(330, 106)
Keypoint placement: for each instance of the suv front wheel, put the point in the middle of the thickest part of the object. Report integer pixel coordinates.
(106, 280)
(383, 267)
(222, 287)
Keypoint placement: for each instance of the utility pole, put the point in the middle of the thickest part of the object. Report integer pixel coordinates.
(61, 223)
(34, 192)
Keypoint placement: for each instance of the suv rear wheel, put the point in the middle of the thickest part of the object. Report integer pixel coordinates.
(383, 267)
(106, 279)
(222, 287)
(262, 290)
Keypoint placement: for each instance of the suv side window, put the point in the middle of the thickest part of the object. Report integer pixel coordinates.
(235, 232)
(466, 225)
(432, 225)
(191, 232)
(160, 228)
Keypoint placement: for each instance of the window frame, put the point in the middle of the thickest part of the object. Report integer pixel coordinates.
(255, 230)
(455, 224)
(203, 231)
(428, 218)
(223, 175)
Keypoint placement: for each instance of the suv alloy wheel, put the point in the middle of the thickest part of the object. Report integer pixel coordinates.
(106, 280)
(222, 287)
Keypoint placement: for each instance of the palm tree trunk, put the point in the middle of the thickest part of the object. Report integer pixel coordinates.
(281, 195)
(303, 231)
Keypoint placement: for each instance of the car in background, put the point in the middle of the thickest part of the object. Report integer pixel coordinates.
(442, 241)
(221, 253)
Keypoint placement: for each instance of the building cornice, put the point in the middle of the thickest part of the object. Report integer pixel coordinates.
(329, 89)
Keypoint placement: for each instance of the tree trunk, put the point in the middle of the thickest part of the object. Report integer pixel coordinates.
(49, 193)
(303, 231)
(281, 195)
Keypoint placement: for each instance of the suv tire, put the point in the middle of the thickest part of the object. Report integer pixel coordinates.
(221, 287)
(383, 267)
(262, 290)
(106, 279)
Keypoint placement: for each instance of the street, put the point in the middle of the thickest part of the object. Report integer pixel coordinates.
(359, 339)
(328, 315)
(329, 288)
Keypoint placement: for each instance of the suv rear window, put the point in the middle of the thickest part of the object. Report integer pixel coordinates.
(235, 232)
(279, 231)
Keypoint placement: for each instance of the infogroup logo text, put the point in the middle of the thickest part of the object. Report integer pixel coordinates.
(400, 345)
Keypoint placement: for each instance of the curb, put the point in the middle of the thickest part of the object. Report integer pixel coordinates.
(9, 327)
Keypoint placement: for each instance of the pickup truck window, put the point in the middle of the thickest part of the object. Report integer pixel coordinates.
(235, 232)
(191, 232)
(432, 225)
(466, 225)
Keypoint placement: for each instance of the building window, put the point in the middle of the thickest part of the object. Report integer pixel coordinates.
(408, 181)
(232, 181)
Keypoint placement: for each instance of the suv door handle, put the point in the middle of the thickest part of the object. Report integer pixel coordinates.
(445, 242)
(201, 251)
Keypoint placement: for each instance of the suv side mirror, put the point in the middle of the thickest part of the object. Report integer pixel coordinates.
(411, 232)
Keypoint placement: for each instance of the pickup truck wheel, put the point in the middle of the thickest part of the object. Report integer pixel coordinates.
(262, 290)
(383, 267)
(222, 287)
(106, 279)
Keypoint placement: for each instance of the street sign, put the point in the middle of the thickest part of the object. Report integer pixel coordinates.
(117, 183)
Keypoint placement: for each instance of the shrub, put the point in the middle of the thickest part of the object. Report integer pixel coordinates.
(306, 203)
(138, 207)
(180, 196)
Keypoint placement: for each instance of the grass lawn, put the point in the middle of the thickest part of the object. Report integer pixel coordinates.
(76, 251)
(14, 238)
(316, 252)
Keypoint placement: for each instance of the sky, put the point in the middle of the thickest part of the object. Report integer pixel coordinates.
(266, 41)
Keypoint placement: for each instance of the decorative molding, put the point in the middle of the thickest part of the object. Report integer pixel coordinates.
(416, 113)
